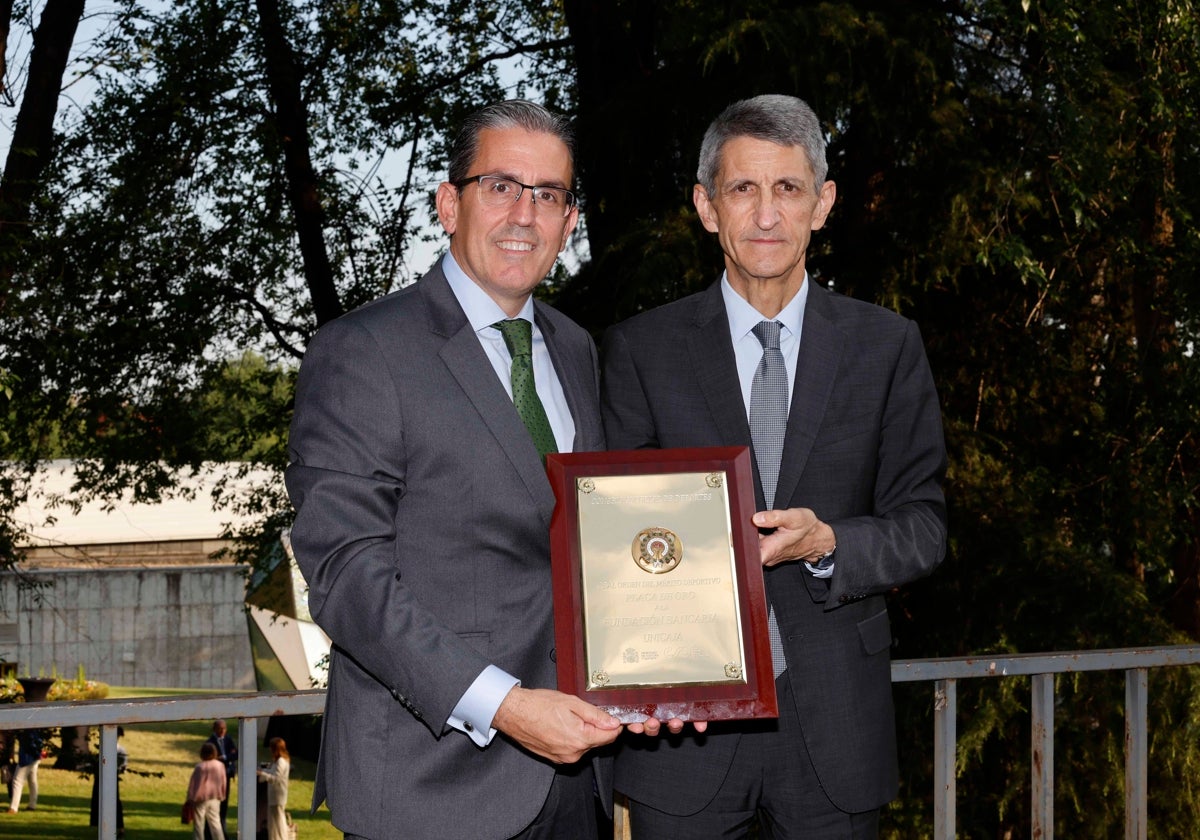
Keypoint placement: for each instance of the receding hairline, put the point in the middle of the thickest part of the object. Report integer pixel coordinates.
(509, 114)
(786, 121)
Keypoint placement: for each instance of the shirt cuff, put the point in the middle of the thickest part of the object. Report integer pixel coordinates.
(823, 568)
(476, 708)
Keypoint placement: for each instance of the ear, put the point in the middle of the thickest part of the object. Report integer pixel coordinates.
(705, 209)
(447, 200)
(825, 201)
(572, 220)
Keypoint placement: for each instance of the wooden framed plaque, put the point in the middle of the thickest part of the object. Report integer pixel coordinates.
(659, 605)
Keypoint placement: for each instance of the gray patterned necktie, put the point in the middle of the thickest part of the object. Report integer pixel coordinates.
(768, 425)
(518, 337)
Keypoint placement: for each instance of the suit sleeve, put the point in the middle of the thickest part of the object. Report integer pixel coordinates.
(905, 537)
(346, 479)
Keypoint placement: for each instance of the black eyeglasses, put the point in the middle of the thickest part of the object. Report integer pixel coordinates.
(498, 191)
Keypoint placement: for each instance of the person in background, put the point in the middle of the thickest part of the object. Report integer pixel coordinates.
(29, 755)
(228, 754)
(275, 775)
(206, 789)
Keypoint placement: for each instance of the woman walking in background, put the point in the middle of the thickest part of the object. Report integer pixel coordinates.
(29, 755)
(275, 775)
(205, 791)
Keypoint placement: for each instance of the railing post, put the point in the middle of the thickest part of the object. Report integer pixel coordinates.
(1136, 693)
(1042, 713)
(945, 748)
(247, 777)
(106, 773)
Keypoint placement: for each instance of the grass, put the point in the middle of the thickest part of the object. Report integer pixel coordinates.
(151, 804)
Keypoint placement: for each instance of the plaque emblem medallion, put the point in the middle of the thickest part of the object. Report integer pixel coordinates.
(657, 550)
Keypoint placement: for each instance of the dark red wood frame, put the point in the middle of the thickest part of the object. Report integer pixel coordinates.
(753, 699)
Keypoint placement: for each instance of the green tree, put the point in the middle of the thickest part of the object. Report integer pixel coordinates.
(1019, 178)
(217, 191)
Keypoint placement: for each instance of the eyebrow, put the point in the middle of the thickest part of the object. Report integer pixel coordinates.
(798, 181)
(511, 177)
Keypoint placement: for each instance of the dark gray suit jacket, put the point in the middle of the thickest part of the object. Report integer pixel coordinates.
(865, 451)
(422, 527)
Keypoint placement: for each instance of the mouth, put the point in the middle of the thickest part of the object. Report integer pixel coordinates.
(514, 245)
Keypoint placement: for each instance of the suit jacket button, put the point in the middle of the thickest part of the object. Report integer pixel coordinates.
(553, 655)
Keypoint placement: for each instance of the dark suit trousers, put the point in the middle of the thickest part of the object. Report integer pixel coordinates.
(569, 813)
(772, 782)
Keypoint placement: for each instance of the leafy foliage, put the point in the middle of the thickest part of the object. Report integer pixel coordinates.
(1021, 179)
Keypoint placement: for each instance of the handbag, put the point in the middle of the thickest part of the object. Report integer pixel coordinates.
(187, 814)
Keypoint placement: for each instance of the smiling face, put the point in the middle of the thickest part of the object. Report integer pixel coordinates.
(764, 211)
(508, 250)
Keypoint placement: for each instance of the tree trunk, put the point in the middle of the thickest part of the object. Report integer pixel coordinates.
(1155, 316)
(304, 195)
(6, 7)
(614, 57)
(33, 134)
(633, 126)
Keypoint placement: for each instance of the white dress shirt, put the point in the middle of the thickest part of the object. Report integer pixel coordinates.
(748, 351)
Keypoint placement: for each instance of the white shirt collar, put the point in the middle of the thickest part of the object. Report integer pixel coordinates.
(743, 317)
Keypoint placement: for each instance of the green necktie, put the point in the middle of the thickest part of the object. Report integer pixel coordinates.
(518, 336)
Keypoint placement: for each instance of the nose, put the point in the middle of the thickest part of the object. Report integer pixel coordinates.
(766, 213)
(521, 212)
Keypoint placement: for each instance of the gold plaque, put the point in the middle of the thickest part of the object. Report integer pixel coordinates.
(659, 602)
(660, 618)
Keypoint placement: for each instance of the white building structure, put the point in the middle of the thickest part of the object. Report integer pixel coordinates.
(133, 594)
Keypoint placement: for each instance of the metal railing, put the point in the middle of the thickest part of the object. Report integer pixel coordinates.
(943, 673)
(108, 714)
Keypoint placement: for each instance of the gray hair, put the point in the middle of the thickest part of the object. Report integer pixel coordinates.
(513, 113)
(783, 120)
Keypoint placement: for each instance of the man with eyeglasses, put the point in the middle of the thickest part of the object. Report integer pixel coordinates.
(423, 513)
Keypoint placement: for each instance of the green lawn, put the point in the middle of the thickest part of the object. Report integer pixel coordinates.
(151, 804)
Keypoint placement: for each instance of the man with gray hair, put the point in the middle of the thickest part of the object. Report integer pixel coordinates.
(836, 400)
(423, 513)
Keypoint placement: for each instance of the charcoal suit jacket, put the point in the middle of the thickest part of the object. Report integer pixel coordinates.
(864, 450)
(422, 528)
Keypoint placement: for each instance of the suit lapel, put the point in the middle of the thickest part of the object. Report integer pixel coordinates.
(468, 363)
(574, 375)
(711, 352)
(821, 348)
